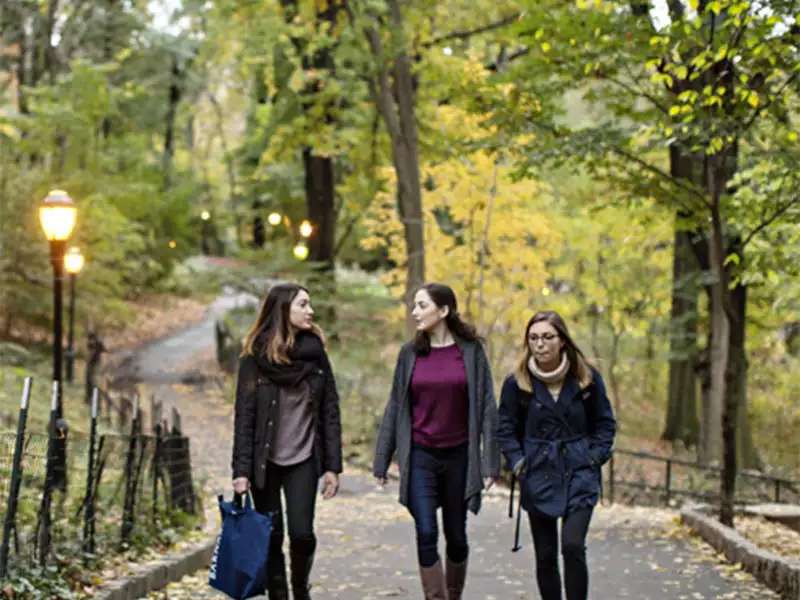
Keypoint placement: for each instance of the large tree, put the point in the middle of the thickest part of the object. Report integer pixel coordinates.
(709, 81)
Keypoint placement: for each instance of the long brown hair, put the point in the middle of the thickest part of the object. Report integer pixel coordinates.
(443, 295)
(579, 367)
(273, 334)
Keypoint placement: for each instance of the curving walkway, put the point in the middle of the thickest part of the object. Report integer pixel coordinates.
(366, 543)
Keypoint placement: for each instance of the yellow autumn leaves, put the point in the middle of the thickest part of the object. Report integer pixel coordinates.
(485, 235)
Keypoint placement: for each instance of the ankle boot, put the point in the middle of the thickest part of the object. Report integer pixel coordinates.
(432, 578)
(301, 554)
(277, 586)
(456, 577)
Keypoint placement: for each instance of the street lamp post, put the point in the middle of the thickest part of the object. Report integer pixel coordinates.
(73, 263)
(57, 215)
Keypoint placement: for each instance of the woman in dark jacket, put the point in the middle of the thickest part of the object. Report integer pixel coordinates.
(287, 429)
(556, 429)
(441, 408)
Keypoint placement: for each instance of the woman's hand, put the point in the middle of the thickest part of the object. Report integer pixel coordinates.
(241, 485)
(488, 482)
(330, 485)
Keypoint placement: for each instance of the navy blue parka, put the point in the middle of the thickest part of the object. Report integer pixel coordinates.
(564, 442)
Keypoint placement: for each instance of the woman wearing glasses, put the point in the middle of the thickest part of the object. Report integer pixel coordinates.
(556, 429)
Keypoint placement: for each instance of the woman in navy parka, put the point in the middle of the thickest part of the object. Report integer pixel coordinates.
(556, 429)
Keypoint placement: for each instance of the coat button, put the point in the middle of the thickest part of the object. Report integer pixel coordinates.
(269, 423)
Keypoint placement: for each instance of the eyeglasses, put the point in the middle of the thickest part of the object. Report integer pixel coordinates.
(545, 337)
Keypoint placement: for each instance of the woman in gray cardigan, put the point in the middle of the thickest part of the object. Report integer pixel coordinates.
(440, 421)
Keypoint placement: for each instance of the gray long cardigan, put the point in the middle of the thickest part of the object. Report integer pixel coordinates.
(395, 432)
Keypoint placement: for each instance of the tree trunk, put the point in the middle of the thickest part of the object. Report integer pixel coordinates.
(746, 453)
(682, 424)
(711, 448)
(395, 101)
(320, 183)
(173, 99)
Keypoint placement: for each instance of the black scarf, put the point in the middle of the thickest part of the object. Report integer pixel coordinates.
(306, 356)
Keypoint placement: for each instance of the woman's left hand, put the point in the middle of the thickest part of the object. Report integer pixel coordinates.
(488, 482)
(330, 484)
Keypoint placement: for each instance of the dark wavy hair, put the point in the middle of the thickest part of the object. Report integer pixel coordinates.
(272, 334)
(443, 295)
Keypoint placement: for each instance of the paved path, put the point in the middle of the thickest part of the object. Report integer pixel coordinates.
(366, 544)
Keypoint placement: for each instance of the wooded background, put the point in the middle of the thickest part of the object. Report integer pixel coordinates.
(629, 164)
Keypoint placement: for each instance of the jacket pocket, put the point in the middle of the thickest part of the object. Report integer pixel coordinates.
(584, 487)
(576, 454)
(541, 471)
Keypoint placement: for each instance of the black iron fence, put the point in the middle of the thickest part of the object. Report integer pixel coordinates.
(67, 493)
(641, 478)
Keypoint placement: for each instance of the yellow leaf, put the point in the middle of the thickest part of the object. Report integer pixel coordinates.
(753, 99)
(545, 47)
(792, 135)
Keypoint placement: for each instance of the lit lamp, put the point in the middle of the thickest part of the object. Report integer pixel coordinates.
(274, 219)
(57, 215)
(73, 263)
(300, 251)
(306, 229)
(205, 215)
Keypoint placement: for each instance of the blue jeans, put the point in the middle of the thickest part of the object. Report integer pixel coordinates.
(438, 477)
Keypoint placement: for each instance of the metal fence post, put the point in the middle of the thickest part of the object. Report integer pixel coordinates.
(43, 520)
(88, 523)
(668, 482)
(157, 451)
(130, 479)
(16, 478)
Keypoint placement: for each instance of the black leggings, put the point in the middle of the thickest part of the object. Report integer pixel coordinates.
(573, 549)
(299, 483)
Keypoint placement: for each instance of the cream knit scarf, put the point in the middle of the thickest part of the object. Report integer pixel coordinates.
(552, 379)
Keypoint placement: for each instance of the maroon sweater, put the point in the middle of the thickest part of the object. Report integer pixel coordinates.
(439, 399)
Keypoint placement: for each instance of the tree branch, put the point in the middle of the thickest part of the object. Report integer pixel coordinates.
(460, 35)
(780, 211)
(679, 183)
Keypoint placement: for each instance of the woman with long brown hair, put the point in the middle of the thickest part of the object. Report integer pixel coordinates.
(440, 422)
(556, 429)
(287, 429)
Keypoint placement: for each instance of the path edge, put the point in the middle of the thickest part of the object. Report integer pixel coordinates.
(151, 577)
(776, 572)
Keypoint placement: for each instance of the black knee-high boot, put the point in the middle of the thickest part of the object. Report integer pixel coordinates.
(277, 586)
(301, 554)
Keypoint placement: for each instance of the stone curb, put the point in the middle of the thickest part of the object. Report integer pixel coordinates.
(154, 576)
(776, 572)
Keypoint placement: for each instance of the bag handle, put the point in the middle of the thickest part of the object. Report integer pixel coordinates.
(243, 498)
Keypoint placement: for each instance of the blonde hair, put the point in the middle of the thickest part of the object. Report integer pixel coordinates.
(579, 367)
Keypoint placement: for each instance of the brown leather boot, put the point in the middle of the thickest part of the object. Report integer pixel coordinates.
(433, 581)
(456, 577)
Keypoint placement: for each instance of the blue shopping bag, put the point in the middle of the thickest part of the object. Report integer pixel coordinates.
(239, 563)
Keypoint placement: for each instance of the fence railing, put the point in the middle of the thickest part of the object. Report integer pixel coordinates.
(643, 478)
(82, 494)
